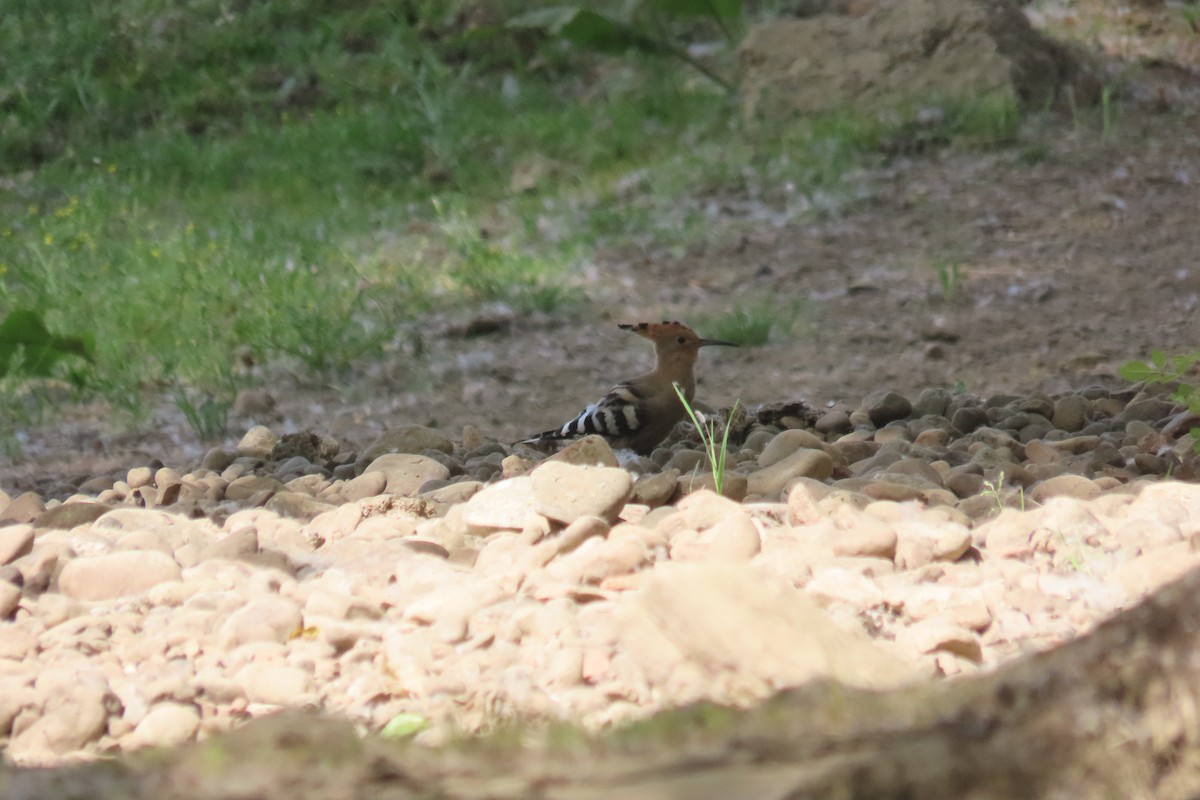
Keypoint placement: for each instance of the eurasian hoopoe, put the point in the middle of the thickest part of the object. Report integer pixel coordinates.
(638, 414)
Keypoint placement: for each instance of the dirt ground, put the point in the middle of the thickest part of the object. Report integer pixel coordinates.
(1076, 250)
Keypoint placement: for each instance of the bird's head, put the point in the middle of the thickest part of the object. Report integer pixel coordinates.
(673, 338)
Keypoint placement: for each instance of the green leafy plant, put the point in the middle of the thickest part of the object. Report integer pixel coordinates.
(208, 416)
(996, 490)
(1107, 111)
(28, 348)
(641, 25)
(755, 322)
(948, 271)
(1162, 368)
(1191, 16)
(707, 429)
(404, 725)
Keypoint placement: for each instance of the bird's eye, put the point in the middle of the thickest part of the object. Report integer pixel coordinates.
(682, 340)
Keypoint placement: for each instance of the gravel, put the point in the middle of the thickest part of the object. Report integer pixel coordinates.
(471, 581)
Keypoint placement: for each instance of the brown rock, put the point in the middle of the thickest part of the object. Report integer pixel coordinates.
(166, 725)
(505, 504)
(70, 721)
(248, 486)
(787, 442)
(366, 485)
(590, 451)
(119, 574)
(733, 486)
(863, 535)
(878, 61)
(598, 559)
(406, 472)
(1150, 571)
(411, 439)
(705, 509)
(139, 477)
(1038, 452)
(741, 634)
(566, 492)
(655, 488)
(15, 541)
(579, 532)
(241, 544)
(735, 538)
(68, 515)
(932, 635)
(10, 598)
(770, 481)
(258, 443)
(830, 586)
(297, 505)
(268, 619)
(25, 508)
(275, 684)
(1075, 486)
(920, 542)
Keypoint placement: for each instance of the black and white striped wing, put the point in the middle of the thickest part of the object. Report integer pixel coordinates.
(615, 416)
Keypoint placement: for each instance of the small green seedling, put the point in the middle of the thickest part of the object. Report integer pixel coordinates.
(708, 437)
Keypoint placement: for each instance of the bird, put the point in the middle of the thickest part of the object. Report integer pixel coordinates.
(638, 414)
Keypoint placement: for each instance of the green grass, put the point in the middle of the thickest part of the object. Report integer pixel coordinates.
(949, 276)
(755, 322)
(207, 189)
(717, 451)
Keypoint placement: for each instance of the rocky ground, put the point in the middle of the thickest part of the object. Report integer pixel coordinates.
(469, 583)
(874, 530)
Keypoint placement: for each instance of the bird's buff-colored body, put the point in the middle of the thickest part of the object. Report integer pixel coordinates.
(639, 413)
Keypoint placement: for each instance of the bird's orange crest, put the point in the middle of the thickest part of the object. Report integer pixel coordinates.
(659, 330)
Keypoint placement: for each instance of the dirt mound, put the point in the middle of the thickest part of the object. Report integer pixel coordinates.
(901, 53)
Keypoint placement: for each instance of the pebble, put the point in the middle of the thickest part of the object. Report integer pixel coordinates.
(407, 439)
(165, 725)
(769, 482)
(297, 505)
(258, 443)
(275, 684)
(72, 717)
(406, 472)
(25, 508)
(249, 486)
(506, 504)
(886, 406)
(114, 575)
(15, 541)
(735, 538)
(366, 485)
(68, 515)
(655, 488)
(833, 421)
(10, 598)
(788, 442)
(590, 451)
(1064, 486)
(863, 535)
(565, 492)
(931, 402)
(733, 485)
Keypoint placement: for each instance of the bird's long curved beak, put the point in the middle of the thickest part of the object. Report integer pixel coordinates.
(718, 342)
